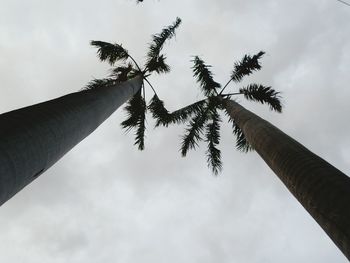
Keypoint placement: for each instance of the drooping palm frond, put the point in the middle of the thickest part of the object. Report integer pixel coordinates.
(99, 83)
(193, 132)
(159, 39)
(213, 138)
(159, 112)
(110, 52)
(141, 128)
(246, 66)
(133, 110)
(262, 94)
(136, 109)
(241, 141)
(204, 76)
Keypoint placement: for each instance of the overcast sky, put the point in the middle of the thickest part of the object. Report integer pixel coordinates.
(107, 202)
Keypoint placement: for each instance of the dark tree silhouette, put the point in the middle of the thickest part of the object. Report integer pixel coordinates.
(33, 138)
(155, 62)
(323, 190)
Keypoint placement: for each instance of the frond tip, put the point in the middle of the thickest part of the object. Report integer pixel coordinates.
(246, 66)
(156, 61)
(110, 52)
(159, 39)
(263, 95)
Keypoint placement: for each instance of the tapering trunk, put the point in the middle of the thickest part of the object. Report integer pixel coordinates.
(33, 138)
(322, 189)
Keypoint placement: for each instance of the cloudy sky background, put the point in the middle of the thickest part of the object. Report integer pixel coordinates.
(107, 202)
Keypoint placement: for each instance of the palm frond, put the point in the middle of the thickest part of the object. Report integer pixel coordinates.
(136, 109)
(122, 73)
(263, 95)
(204, 76)
(155, 61)
(110, 52)
(141, 128)
(183, 114)
(99, 83)
(241, 141)
(159, 112)
(164, 117)
(193, 132)
(159, 39)
(213, 139)
(246, 66)
(158, 64)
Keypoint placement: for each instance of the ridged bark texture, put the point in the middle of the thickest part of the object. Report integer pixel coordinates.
(322, 189)
(33, 138)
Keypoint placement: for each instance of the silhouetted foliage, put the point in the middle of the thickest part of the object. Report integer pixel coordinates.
(110, 52)
(159, 112)
(241, 142)
(204, 77)
(136, 110)
(136, 107)
(263, 95)
(213, 139)
(203, 116)
(246, 66)
(155, 61)
(98, 83)
(193, 132)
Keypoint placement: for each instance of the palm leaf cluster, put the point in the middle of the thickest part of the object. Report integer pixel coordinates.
(202, 72)
(262, 94)
(203, 117)
(155, 60)
(125, 67)
(136, 115)
(246, 66)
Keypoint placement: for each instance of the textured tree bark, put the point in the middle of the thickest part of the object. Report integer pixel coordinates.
(33, 138)
(322, 189)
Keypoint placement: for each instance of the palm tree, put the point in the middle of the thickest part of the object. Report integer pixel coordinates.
(323, 190)
(33, 138)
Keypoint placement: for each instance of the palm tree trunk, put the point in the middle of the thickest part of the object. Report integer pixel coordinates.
(322, 189)
(33, 138)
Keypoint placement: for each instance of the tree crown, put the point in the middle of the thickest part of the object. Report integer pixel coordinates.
(125, 67)
(203, 118)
